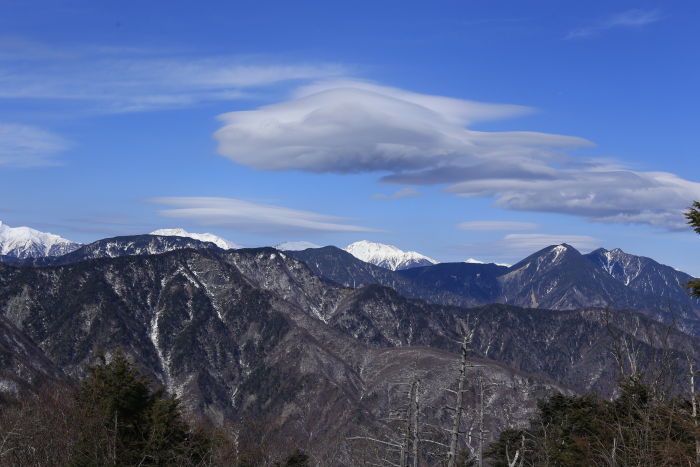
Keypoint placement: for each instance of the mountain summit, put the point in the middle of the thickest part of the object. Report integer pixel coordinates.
(203, 237)
(387, 256)
(25, 242)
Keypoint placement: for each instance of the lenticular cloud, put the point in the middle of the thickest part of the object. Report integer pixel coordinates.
(352, 127)
(417, 139)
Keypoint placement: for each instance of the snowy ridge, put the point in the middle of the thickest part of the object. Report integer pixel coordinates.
(203, 237)
(296, 246)
(25, 242)
(476, 261)
(387, 256)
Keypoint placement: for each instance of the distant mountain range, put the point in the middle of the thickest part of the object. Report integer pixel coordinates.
(297, 335)
(557, 277)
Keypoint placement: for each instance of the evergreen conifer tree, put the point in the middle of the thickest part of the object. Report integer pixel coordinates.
(128, 423)
(693, 216)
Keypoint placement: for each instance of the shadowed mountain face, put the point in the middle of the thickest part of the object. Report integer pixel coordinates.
(557, 277)
(22, 363)
(644, 275)
(476, 281)
(255, 334)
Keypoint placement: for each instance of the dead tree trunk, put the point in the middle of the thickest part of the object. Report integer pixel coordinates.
(452, 454)
(694, 401)
(481, 420)
(414, 417)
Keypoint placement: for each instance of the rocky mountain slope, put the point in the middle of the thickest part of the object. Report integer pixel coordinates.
(556, 277)
(560, 277)
(254, 334)
(643, 275)
(23, 365)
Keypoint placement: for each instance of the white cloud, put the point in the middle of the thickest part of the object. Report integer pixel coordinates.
(528, 243)
(352, 127)
(496, 226)
(610, 196)
(28, 146)
(252, 217)
(104, 79)
(417, 139)
(402, 193)
(627, 19)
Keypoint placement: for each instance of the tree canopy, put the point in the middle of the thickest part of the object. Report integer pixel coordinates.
(693, 216)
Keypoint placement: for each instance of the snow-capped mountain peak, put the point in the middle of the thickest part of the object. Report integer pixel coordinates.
(25, 242)
(387, 256)
(203, 237)
(296, 246)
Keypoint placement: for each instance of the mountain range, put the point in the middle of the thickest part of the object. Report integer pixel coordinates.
(256, 334)
(556, 277)
(315, 341)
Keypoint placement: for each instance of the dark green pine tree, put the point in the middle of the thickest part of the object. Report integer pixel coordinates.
(693, 216)
(125, 422)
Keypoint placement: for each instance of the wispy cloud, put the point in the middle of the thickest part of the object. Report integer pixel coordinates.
(496, 226)
(416, 139)
(28, 146)
(402, 193)
(608, 196)
(252, 217)
(104, 79)
(635, 18)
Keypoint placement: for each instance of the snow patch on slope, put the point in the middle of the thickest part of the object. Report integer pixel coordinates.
(203, 237)
(387, 256)
(476, 261)
(25, 242)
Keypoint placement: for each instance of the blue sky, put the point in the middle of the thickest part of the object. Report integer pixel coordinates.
(483, 129)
